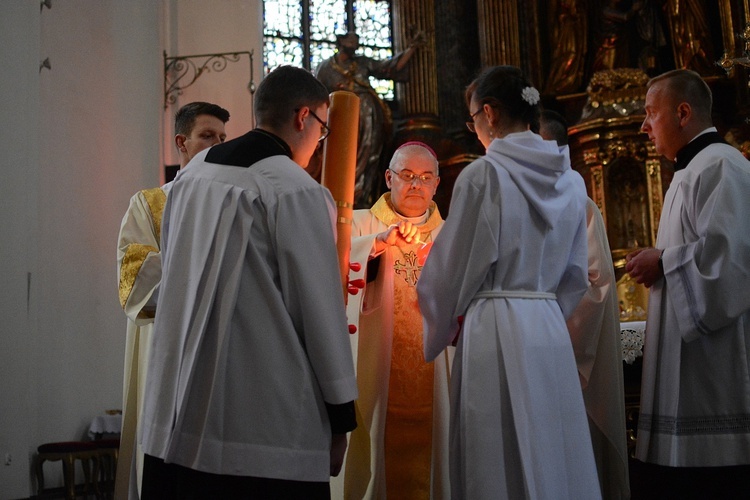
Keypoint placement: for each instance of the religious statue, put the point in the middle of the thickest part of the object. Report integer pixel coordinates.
(690, 40)
(653, 55)
(569, 46)
(346, 70)
(631, 34)
(614, 41)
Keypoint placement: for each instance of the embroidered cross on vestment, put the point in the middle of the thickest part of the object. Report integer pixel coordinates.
(410, 270)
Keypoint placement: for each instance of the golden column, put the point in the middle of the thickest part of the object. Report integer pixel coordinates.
(499, 32)
(420, 95)
(727, 27)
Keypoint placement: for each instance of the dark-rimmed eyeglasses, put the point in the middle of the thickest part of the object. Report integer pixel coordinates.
(324, 133)
(470, 124)
(409, 177)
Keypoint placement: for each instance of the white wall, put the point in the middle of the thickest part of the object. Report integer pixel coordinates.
(19, 162)
(196, 27)
(77, 141)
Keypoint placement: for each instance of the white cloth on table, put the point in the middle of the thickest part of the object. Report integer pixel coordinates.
(632, 337)
(105, 424)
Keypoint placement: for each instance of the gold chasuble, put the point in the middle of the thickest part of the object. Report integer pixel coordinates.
(409, 417)
(139, 276)
(137, 252)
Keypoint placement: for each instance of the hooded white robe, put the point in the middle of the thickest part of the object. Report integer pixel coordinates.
(512, 260)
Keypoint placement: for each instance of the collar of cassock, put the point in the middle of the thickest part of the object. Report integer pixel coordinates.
(688, 151)
(246, 150)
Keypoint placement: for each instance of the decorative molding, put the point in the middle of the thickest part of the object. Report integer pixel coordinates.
(615, 148)
(615, 93)
(597, 190)
(181, 69)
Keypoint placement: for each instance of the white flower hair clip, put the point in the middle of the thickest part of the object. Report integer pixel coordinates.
(530, 95)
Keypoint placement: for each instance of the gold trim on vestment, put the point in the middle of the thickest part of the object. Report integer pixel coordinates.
(409, 414)
(383, 210)
(131, 265)
(156, 199)
(136, 253)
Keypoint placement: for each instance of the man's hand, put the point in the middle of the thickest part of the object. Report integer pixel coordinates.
(643, 266)
(401, 234)
(338, 450)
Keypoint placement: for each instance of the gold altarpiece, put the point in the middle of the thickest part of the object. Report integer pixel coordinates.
(626, 178)
(582, 56)
(624, 174)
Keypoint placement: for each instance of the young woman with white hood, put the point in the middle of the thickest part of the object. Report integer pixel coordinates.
(508, 267)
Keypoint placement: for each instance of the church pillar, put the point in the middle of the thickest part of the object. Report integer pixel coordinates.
(458, 46)
(727, 26)
(499, 36)
(432, 103)
(418, 99)
(419, 96)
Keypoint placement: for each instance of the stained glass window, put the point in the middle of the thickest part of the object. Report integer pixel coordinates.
(288, 39)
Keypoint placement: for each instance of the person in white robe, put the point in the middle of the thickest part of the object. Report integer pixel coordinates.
(251, 385)
(594, 329)
(198, 125)
(693, 436)
(400, 447)
(509, 265)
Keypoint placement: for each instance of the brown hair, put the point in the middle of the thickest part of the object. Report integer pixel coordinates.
(284, 90)
(684, 85)
(503, 86)
(184, 119)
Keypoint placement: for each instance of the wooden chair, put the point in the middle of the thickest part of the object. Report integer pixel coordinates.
(69, 452)
(107, 455)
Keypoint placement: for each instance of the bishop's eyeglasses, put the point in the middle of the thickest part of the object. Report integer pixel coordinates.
(408, 177)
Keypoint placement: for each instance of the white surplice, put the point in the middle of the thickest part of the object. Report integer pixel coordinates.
(139, 274)
(511, 260)
(372, 310)
(595, 331)
(695, 390)
(249, 341)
